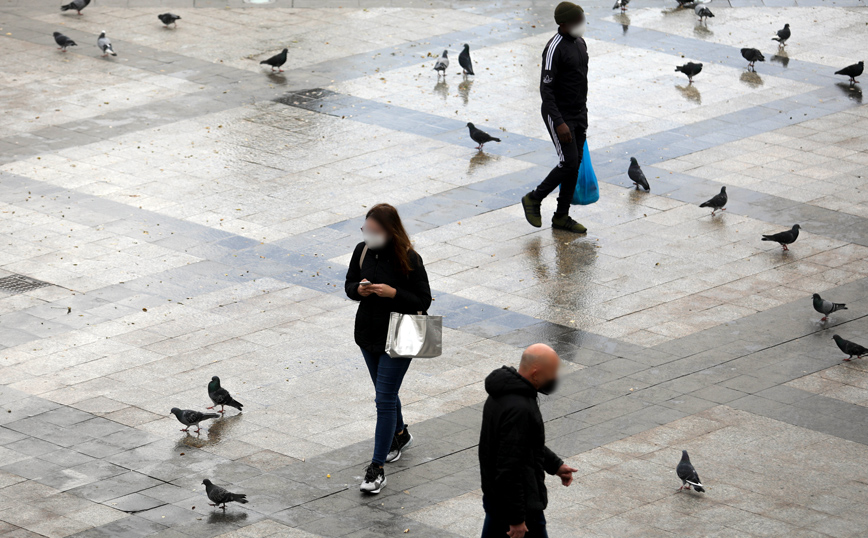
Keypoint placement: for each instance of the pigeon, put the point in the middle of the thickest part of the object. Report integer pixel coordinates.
(169, 18)
(783, 35)
(63, 41)
(687, 474)
(480, 137)
(221, 396)
(442, 63)
(852, 71)
(752, 56)
(690, 69)
(702, 12)
(784, 238)
(188, 417)
(850, 348)
(826, 307)
(621, 4)
(77, 5)
(221, 496)
(464, 60)
(276, 61)
(105, 45)
(637, 175)
(718, 203)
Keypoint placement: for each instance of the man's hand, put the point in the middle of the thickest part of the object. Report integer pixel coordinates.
(564, 134)
(517, 531)
(565, 472)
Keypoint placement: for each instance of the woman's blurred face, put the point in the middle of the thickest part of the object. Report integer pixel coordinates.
(374, 234)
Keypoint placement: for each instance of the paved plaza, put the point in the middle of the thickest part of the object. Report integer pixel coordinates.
(179, 212)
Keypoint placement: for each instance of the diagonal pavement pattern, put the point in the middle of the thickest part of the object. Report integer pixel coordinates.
(179, 212)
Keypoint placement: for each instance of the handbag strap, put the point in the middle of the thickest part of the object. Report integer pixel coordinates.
(362, 257)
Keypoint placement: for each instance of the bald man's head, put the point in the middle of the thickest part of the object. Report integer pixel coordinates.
(539, 365)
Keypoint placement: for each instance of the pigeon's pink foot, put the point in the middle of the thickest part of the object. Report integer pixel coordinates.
(185, 429)
(723, 209)
(279, 71)
(209, 504)
(847, 359)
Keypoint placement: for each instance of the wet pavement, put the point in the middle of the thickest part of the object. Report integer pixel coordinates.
(178, 212)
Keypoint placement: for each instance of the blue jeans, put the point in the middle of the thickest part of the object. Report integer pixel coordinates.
(387, 374)
(535, 521)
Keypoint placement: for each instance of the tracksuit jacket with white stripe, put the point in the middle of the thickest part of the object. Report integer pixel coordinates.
(564, 81)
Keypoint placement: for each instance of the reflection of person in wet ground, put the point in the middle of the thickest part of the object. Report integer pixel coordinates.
(564, 91)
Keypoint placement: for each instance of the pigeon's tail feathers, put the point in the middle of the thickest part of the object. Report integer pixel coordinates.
(495, 139)
(233, 403)
(67, 7)
(705, 204)
(698, 487)
(768, 238)
(210, 415)
(242, 497)
(263, 62)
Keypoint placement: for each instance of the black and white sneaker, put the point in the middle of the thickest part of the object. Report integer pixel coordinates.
(375, 479)
(399, 442)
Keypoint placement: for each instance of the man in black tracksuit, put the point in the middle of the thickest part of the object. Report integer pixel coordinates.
(564, 91)
(513, 456)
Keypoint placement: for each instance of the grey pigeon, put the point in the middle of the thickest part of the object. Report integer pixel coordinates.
(852, 71)
(276, 61)
(464, 60)
(222, 496)
(690, 69)
(480, 137)
(850, 348)
(784, 238)
(77, 5)
(442, 63)
(752, 56)
(621, 4)
(63, 41)
(702, 12)
(636, 175)
(105, 45)
(169, 18)
(687, 474)
(718, 203)
(188, 417)
(221, 396)
(826, 307)
(782, 35)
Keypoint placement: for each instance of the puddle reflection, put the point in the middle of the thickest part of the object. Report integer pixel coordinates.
(852, 91)
(464, 89)
(624, 20)
(751, 78)
(219, 516)
(442, 89)
(781, 58)
(702, 31)
(212, 435)
(479, 160)
(691, 93)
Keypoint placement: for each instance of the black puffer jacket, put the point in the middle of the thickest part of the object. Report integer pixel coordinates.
(513, 456)
(372, 318)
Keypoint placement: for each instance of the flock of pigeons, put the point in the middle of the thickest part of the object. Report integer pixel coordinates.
(685, 470)
(189, 417)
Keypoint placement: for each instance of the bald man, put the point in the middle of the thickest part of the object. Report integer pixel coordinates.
(513, 456)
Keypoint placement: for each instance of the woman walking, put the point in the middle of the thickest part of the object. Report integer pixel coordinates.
(385, 275)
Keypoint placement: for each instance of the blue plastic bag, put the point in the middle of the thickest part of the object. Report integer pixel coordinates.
(587, 188)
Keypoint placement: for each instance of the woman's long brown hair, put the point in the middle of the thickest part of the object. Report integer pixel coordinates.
(387, 217)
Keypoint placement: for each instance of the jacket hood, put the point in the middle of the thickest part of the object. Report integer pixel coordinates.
(506, 380)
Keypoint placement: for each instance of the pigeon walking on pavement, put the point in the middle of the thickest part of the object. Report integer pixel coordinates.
(782, 35)
(105, 45)
(442, 64)
(690, 69)
(221, 396)
(636, 175)
(222, 496)
(784, 238)
(188, 417)
(688, 475)
(63, 41)
(77, 5)
(718, 203)
(826, 307)
(852, 349)
(621, 4)
(852, 71)
(752, 56)
(464, 60)
(702, 12)
(276, 61)
(480, 137)
(169, 18)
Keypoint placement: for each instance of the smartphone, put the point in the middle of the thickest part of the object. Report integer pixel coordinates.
(365, 283)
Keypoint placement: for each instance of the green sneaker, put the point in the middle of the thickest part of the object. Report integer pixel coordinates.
(531, 210)
(567, 223)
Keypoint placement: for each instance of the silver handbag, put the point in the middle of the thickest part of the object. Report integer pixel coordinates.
(414, 336)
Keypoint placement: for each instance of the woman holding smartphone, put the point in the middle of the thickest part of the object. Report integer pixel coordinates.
(385, 275)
